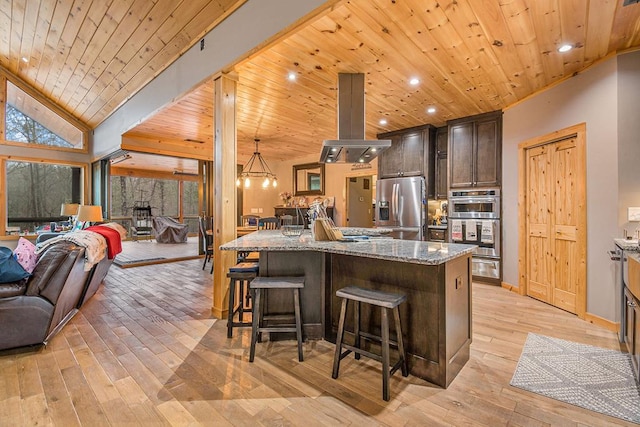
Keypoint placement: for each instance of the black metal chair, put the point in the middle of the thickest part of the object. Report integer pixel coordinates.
(142, 221)
(205, 224)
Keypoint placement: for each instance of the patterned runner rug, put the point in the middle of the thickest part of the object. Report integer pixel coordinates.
(593, 378)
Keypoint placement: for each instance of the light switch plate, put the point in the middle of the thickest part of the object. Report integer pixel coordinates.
(633, 214)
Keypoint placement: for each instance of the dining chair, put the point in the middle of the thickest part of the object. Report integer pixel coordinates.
(206, 224)
(268, 223)
(249, 220)
(286, 220)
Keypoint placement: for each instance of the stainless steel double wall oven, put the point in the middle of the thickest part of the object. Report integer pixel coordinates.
(474, 218)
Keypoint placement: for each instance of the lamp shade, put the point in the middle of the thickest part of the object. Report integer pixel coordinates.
(90, 213)
(69, 209)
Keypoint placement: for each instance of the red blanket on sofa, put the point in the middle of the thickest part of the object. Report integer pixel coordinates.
(114, 243)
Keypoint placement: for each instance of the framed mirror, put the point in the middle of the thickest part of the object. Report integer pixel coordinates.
(308, 179)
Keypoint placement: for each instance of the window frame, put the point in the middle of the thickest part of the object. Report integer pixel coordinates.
(84, 181)
(23, 86)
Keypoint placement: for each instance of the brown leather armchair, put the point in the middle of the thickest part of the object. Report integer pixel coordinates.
(35, 309)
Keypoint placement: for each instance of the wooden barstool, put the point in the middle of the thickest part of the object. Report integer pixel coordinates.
(240, 275)
(265, 283)
(385, 301)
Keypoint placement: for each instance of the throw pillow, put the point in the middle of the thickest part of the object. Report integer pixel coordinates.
(10, 269)
(25, 253)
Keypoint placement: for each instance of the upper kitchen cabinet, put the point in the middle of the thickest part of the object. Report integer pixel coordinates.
(475, 151)
(410, 154)
(442, 145)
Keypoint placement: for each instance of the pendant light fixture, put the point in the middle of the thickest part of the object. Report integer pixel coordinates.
(257, 168)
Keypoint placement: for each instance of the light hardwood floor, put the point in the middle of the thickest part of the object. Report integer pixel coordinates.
(146, 351)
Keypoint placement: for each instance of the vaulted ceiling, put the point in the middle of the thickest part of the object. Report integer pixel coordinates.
(469, 56)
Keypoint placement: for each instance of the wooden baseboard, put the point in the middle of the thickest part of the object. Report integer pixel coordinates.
(602, 322)
(512, 288)
(591, 318)
(219, 313)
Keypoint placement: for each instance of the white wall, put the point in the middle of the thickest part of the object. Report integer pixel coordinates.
(248, 27)
(628, 137)
(590, 97)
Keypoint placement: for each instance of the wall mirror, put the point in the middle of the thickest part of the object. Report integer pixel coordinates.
(308, 179)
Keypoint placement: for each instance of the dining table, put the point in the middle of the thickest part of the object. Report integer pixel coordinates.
(245, 229)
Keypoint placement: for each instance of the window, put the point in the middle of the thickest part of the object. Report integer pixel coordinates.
(190, 198)
(36, 191)
(190, 205)
(162, 195)
(29, 121)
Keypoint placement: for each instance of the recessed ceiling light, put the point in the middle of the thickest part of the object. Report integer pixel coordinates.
(431, 110)
(25, 59)
(414, 81)
(383, 122)
(292, 77)
(565, 48)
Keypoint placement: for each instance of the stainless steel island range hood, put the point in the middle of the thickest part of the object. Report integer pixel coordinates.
(351, 145)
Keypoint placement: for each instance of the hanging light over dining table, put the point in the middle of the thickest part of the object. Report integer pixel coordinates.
(257, 169)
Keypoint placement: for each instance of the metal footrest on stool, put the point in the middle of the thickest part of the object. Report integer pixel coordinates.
(386, 301)
(239, 277)
(265, 283)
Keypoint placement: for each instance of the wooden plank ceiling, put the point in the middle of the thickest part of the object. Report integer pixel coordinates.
(90, 56)
(469, 56)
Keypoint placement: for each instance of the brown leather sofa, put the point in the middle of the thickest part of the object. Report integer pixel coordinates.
(35, 309)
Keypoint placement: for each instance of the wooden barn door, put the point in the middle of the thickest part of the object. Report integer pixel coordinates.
(553, 224)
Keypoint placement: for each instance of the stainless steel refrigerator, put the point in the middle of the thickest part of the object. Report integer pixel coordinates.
(400, 206)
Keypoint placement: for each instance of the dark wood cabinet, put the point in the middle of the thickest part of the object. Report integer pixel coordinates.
(632, 330)
(441, 172)
(390, 160)
(632, 311)
(475, 151)
(411, 154)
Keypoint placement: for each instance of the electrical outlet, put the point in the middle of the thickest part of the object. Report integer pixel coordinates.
(254, 210)
(260, 210)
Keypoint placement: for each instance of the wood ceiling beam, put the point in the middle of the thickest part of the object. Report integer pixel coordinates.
(167, 147)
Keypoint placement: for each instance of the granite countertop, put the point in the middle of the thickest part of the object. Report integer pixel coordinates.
(411, 251)
(362, 231)
(627, 244)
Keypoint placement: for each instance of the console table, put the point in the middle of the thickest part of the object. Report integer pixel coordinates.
(282, 210)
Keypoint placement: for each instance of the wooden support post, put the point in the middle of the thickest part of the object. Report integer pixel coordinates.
(224, 188)
(3, 100)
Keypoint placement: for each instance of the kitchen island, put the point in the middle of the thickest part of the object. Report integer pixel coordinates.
(436, 277)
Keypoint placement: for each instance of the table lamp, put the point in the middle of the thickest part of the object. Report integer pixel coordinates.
(70, 210)
(89, 213)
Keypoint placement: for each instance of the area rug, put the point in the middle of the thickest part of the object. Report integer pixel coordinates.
(590, 377)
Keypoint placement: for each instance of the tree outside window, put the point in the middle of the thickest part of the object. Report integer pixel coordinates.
(29, 121)
(36, 191)
(161, 194)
